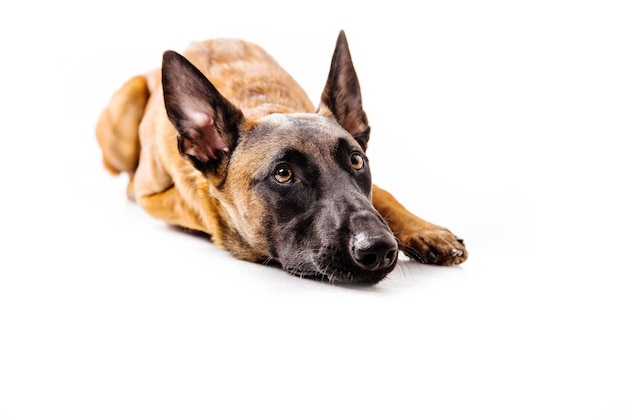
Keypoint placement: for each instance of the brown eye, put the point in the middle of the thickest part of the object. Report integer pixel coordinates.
(357, 161)
(283, 174)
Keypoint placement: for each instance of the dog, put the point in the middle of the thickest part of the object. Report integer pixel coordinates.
(223, 141)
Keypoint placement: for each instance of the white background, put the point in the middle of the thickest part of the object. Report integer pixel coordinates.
(504, 121)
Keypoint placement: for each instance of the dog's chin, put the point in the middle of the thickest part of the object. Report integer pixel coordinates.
(341, 277)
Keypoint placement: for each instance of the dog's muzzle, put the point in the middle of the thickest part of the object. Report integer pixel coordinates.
(367, 257)
(346, 245)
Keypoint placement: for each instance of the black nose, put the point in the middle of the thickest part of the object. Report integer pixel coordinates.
(374, 253)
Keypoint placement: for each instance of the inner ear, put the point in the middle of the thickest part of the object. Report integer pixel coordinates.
(342, 94)
(208, 124)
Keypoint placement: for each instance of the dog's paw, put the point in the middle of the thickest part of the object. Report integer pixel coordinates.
(435, 245)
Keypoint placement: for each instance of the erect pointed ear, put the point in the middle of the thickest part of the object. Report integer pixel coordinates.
(342, 94)
(207, 123)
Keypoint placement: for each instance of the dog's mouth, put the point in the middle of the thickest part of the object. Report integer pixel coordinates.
(328, 266)
(338, 277)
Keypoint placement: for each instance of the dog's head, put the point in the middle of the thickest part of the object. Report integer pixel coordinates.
(293, 188)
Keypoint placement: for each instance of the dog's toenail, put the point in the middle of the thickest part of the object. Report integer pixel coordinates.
(456, 252)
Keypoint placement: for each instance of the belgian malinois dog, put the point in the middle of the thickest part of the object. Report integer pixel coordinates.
(222, 140)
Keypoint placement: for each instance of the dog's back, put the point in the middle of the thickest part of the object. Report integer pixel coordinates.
(248, 77)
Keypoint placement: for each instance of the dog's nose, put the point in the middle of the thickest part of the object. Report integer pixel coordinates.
(374, 253)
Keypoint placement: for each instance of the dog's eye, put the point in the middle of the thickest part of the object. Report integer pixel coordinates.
(283, 174)
(357, 161)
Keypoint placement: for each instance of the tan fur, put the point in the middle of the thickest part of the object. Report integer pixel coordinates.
(415, 234)
(137, 138)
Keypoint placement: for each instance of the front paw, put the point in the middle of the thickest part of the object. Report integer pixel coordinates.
(435, 245)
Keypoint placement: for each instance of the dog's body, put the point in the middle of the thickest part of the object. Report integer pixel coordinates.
(225, 142)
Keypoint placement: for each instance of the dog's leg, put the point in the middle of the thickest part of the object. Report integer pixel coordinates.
(421, 240)
(170, 207)
(117, 130)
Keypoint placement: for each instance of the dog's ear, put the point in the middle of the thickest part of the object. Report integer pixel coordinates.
(207, 123)
(342, 94)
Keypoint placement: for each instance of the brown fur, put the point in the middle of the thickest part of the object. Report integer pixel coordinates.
(137, 138)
